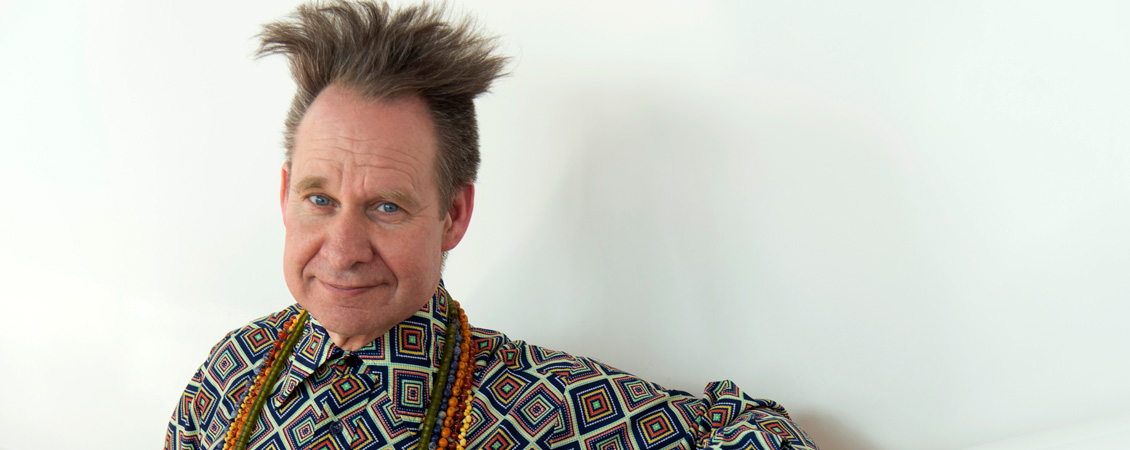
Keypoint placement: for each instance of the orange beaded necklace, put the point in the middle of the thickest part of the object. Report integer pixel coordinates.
(451, 392)
(452, 389)
(252, 404)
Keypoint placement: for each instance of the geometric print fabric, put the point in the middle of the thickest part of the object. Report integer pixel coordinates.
(524, 397)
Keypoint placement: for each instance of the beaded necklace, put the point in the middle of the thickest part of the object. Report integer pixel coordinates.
(451, 390)
(450, 397)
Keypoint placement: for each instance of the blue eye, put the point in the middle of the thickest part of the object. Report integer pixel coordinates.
(388, 208)
(320, 200)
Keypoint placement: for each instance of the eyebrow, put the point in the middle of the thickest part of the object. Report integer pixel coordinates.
(398, 197)
(309, 183)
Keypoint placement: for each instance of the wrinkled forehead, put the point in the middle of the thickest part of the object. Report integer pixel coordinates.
(341, 112)
(346, 133)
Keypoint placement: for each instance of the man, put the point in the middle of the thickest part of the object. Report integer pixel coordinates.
(382, 151)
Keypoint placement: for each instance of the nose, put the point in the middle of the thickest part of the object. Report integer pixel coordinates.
(347, 242)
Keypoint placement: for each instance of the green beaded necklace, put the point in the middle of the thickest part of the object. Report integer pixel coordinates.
(440, 382)
(284, 349)
(277, 362)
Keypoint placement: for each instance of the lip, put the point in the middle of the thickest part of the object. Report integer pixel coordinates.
(345, 291)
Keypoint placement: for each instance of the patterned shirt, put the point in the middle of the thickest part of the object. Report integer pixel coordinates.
(525, 396)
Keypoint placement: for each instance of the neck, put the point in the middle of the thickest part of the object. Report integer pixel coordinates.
(351, 343)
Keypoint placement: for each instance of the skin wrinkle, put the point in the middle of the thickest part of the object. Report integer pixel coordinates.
(414, 159)
(349, 169)
(313, 185)
(395, 166)
(360, 154)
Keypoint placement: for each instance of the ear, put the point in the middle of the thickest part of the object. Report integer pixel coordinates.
(458, 216)
(283, 191)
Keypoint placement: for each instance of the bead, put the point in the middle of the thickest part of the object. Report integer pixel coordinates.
(452, 396)
(252, 403)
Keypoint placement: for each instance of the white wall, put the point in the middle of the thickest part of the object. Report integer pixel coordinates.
(903, 220)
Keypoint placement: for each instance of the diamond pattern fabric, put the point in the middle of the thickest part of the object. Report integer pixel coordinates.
(525, 397)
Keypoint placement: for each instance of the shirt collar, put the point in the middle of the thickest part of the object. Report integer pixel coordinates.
(410, 350)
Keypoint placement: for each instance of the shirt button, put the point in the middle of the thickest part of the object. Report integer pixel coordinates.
(335, 427)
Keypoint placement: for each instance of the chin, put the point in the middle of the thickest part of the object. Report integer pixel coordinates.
(344, 320)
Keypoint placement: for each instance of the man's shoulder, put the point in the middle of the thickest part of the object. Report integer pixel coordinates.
(243, 347)
(557, 397)
(514, 361)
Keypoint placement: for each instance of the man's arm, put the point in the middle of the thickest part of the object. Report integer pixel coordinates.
(183, 426)
(732, 419)
(560, 401)
(647, 415)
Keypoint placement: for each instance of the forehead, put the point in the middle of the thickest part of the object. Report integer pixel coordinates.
(343, 132)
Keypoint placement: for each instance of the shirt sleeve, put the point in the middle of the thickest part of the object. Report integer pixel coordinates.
(730, 419)
(183, 426)
(604, 407)
(183, 432)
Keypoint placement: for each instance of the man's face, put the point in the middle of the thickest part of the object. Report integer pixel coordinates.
(365, 232)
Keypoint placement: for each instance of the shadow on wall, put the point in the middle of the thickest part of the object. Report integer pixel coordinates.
(626, 218)
(832, 434)
(630, 259)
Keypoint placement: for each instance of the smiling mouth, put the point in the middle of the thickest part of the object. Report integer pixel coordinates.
(347, 291)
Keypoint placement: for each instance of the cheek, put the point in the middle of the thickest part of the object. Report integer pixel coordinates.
(298, 249)
(289, 257)
(413, 254)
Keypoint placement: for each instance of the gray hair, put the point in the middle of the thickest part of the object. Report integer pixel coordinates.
(384, 54)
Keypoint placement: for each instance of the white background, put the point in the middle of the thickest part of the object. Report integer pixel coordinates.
(905, 221)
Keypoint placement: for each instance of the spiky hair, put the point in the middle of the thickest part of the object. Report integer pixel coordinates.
(381, 53)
